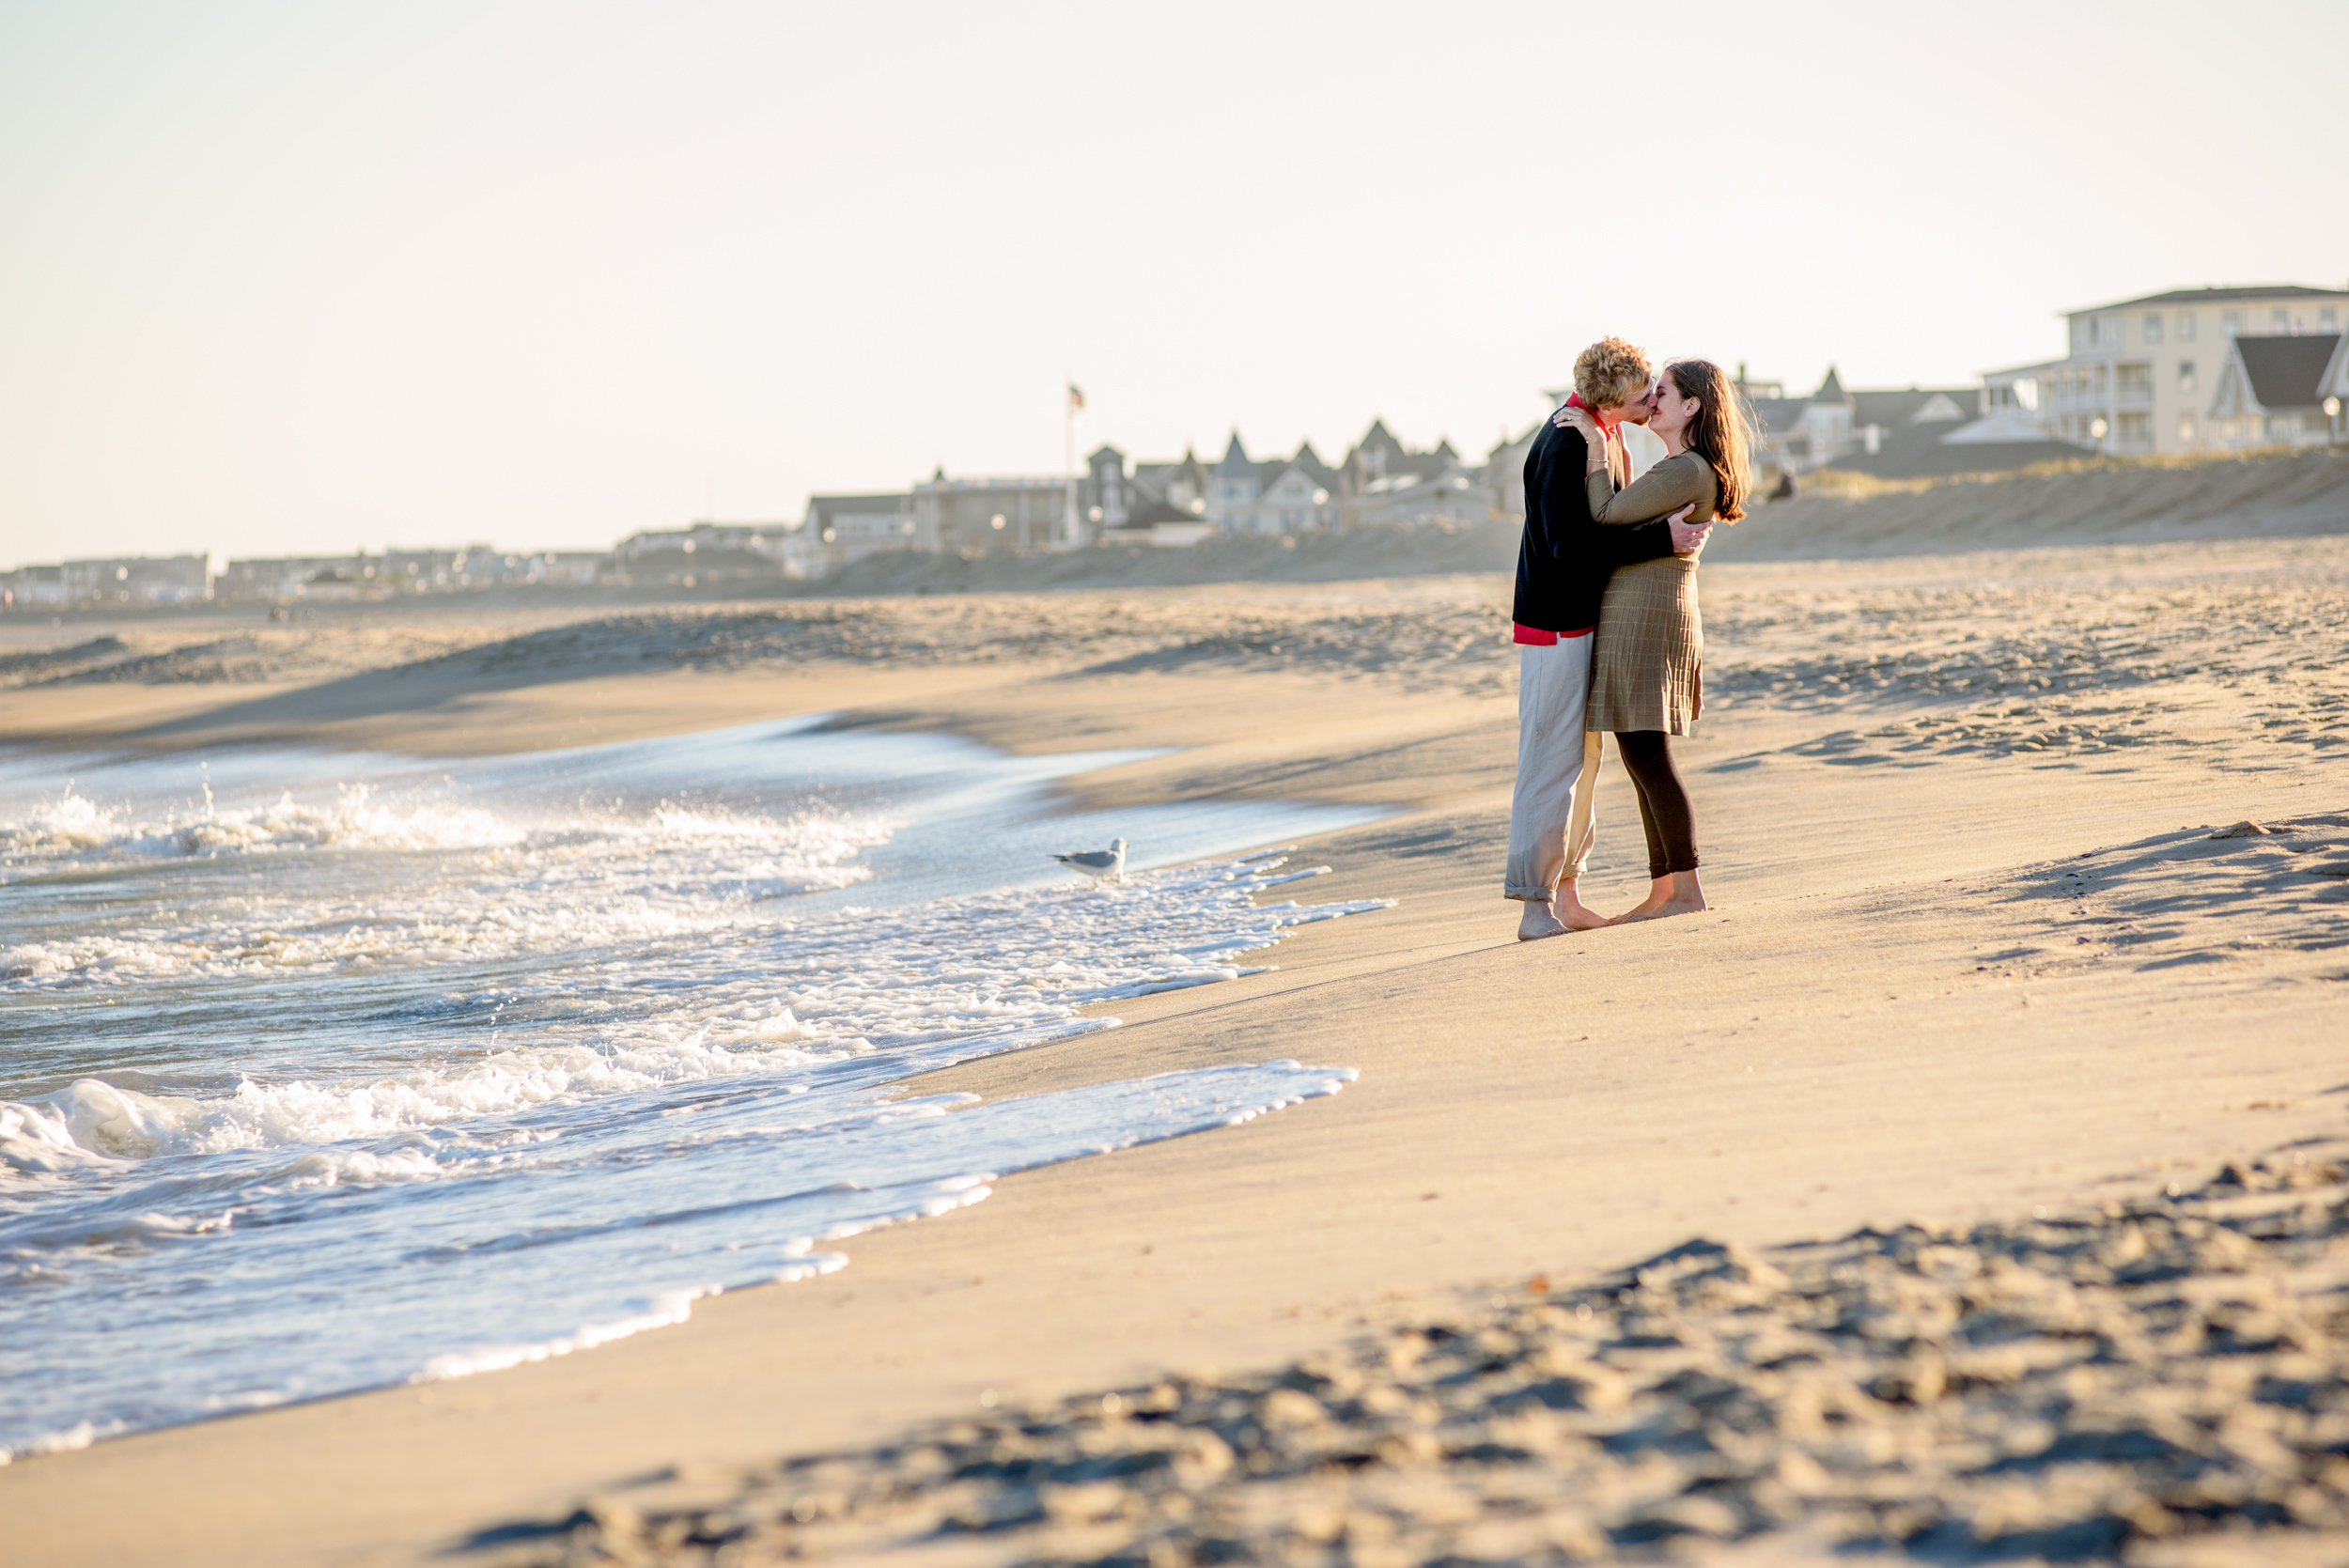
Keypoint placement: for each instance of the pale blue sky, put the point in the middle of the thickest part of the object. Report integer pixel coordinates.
(310, 276)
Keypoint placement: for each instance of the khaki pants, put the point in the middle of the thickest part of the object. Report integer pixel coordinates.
(1552, 816)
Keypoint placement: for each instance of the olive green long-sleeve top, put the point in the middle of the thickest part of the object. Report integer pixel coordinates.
(1674, 483)
(1647, 662)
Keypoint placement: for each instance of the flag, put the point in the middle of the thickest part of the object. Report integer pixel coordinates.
(1076, 398)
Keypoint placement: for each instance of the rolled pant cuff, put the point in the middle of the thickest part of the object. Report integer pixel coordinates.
(1541, 895)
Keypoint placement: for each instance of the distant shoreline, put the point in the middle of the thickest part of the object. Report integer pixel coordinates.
(1837, 515)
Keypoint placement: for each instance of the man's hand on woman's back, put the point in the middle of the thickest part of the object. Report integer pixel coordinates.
(1688, 537)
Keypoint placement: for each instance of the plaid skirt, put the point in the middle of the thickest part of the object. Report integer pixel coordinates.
(1647, 667)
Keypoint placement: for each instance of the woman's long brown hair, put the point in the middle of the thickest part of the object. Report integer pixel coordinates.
(1717, 433)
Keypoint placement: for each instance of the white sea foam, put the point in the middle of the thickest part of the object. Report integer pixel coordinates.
(451, 1067)
(668, 1310)
(777, 1000)
(492, 887)
(75, 828)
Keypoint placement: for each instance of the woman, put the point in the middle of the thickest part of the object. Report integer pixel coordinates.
(1647, 670)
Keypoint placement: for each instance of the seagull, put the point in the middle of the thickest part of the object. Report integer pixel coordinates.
(1109, 862)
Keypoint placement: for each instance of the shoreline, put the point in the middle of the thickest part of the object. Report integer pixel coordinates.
(1852, 1037)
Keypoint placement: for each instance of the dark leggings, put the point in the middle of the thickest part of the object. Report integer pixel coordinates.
(1664, 811)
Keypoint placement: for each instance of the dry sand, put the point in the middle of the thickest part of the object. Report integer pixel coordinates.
(1976, 954)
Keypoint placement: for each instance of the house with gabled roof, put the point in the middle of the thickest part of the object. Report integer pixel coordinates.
(1795, 435)
(2334, 388)
(1238, 494)
(2274, 392)
(1233, 486)
(1275, 495)
(1180, 484)
(1935, 432)
(2138, 375)
(1914, 432)
(1107, 495)
(1382, 466)
(1295, 496)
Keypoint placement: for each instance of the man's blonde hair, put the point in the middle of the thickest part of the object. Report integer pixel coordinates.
(1611, 373)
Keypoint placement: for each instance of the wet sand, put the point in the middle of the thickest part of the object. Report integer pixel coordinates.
(1976, 954)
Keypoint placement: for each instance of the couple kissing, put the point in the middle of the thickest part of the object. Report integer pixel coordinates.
(1609, 640)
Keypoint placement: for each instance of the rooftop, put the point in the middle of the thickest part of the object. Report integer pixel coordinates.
(2215, 296)
(2286, 372)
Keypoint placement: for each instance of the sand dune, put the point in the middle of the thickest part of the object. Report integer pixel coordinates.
(2103, 502)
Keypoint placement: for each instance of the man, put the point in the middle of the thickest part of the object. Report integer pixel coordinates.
(1562, 566)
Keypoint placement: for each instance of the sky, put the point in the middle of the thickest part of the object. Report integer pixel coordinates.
(306, 277)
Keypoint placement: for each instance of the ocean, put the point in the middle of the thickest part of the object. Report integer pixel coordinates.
(323, 1071)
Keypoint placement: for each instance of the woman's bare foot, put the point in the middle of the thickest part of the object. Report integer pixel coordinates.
(1678, 893)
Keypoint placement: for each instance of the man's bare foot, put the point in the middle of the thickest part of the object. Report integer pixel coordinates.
(1679, 894)
(1538, 922)
(1572, 912)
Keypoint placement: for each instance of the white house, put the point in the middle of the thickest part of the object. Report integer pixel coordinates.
(1240, 494)
(2281, 392)
(1011, 512)
(1450, 497)
(703, 553)
(2139, 375)
(838, 529)
(112, 580)
(1278, 495)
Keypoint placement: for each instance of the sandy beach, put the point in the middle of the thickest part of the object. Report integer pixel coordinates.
(2028, 965)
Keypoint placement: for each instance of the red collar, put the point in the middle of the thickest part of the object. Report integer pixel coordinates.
(1574, 400)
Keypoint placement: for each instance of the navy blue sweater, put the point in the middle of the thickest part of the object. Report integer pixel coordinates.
(1565, 558)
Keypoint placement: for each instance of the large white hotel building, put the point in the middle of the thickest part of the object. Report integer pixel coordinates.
(2192, 370)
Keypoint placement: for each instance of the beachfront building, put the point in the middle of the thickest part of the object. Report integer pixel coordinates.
(1936, 433)
(1294, 494)
(1889, 434)
(1159, 525)
(468, 569)
(1503, 474)
(1453, 498)
(31, 587)
(278, 578)
(1914, 432)
(1107, 495)
(974, 515)
(1181, 485)
(2140, 376)
(1383, 482)
(839, 528)
(1795, 435)
(1240, 494)
(703, 553)
(110, 579)
(2281, 392)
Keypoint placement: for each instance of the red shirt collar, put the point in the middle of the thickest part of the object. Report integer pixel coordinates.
(1608, 427)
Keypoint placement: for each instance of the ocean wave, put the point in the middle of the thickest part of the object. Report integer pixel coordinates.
(492, 888)
(492, 1060)
(94, 1123)
(75, 827)
(792, 995)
